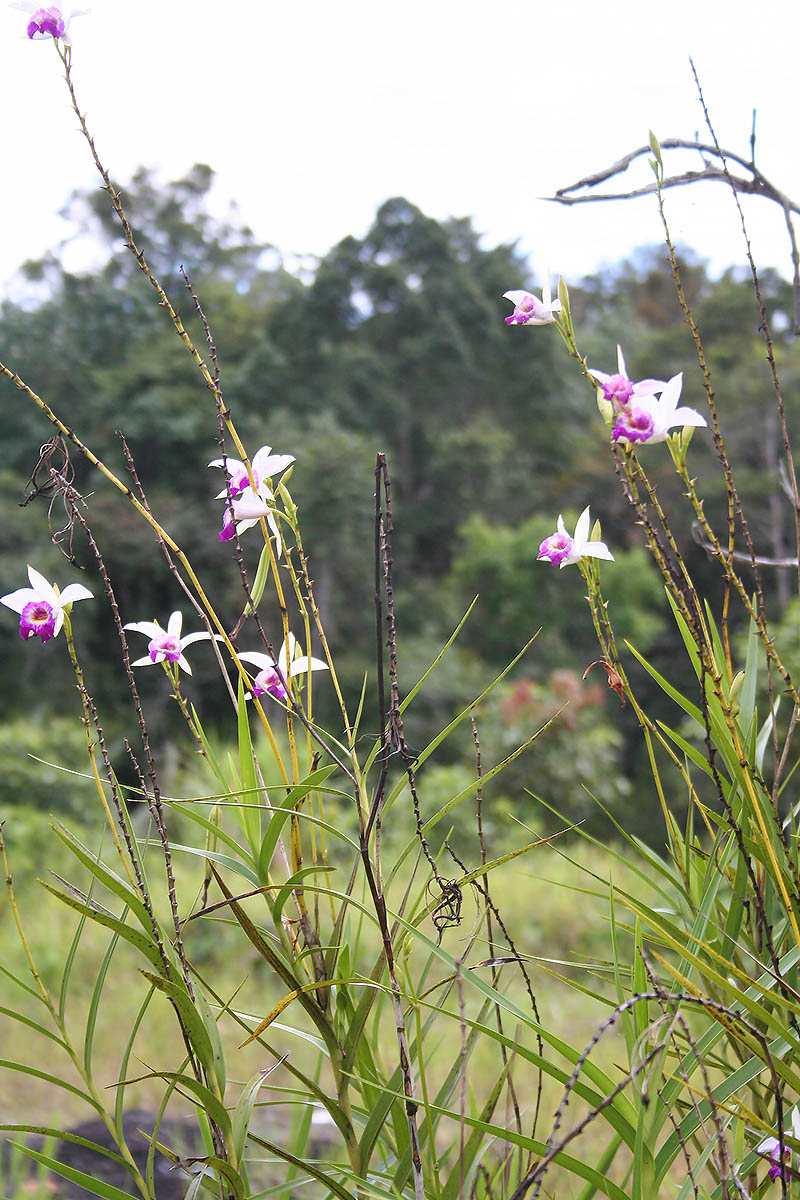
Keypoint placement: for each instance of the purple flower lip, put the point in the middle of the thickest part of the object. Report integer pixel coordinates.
(167, 646)
(772, 1146)
(618, 388)
(37, 619)
(634, 424)
(529, 309)
(269, 681)
(47, 22)
(555, 548)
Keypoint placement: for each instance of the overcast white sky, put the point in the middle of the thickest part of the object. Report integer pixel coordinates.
(312, 114)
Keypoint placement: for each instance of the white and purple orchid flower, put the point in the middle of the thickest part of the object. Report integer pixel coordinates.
(620, 389)
(42, 606)
(167, 645)
(771, 1146)
(250, 503)
(47, 22)
(290, 665)
(530, 310)
(561, 550)
(652, 417)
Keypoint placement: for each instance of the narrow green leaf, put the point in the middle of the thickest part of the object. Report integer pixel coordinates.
(24, 1069)
(67, 970)
(98, 1187)
(243, 1114)
(210, 1103)
(104, 875)
(260, 581)
(24, 1020)
(191, 811)
(63, 1135)
(237, 865)
(192, 1021)
(215, 767)
(281, 815)
(94, 1002)
(460, 1175)
(309, 1167)
(291, 883)
(251, 816)
(212, 1029)
(145, 945)
(119, 1102)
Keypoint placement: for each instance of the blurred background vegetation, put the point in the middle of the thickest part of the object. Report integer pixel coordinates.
(393, 342)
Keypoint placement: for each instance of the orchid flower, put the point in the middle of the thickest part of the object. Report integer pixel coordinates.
(264, 466)
(530, 310)
(620, 388)
(772, 1147)
(560, 549)
(249, 504)
(47, 22)
(42, 607)
(167, 645)
(246, 512)
(651, 418)
(288, 666)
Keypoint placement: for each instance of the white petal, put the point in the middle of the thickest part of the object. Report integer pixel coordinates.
(18, 599)
(42, 586)
(230, 464)
(597, 550)
(560, 526)
(143, 662)
(547, 318)
(250, 506)
(243, 526)
(601, 376)
(149, 628)
(274, 464)
(546, 296)
(282, 657)
(174, 624)
(191, 638)
(291, 646)
(671, 394)
(262, 661)
(796, 1123)
(184, 664)
(582, 529)
(302, 665)
(621, 361)
(515, 297)
(73, 592)
(260, 460)
(647, 387)
(687, 416)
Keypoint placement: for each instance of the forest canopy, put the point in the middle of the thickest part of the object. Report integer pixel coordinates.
(394, 342)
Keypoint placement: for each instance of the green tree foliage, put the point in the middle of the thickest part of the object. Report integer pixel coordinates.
(395, 342)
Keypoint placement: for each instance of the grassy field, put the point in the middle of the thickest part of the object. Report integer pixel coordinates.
(553, 902)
